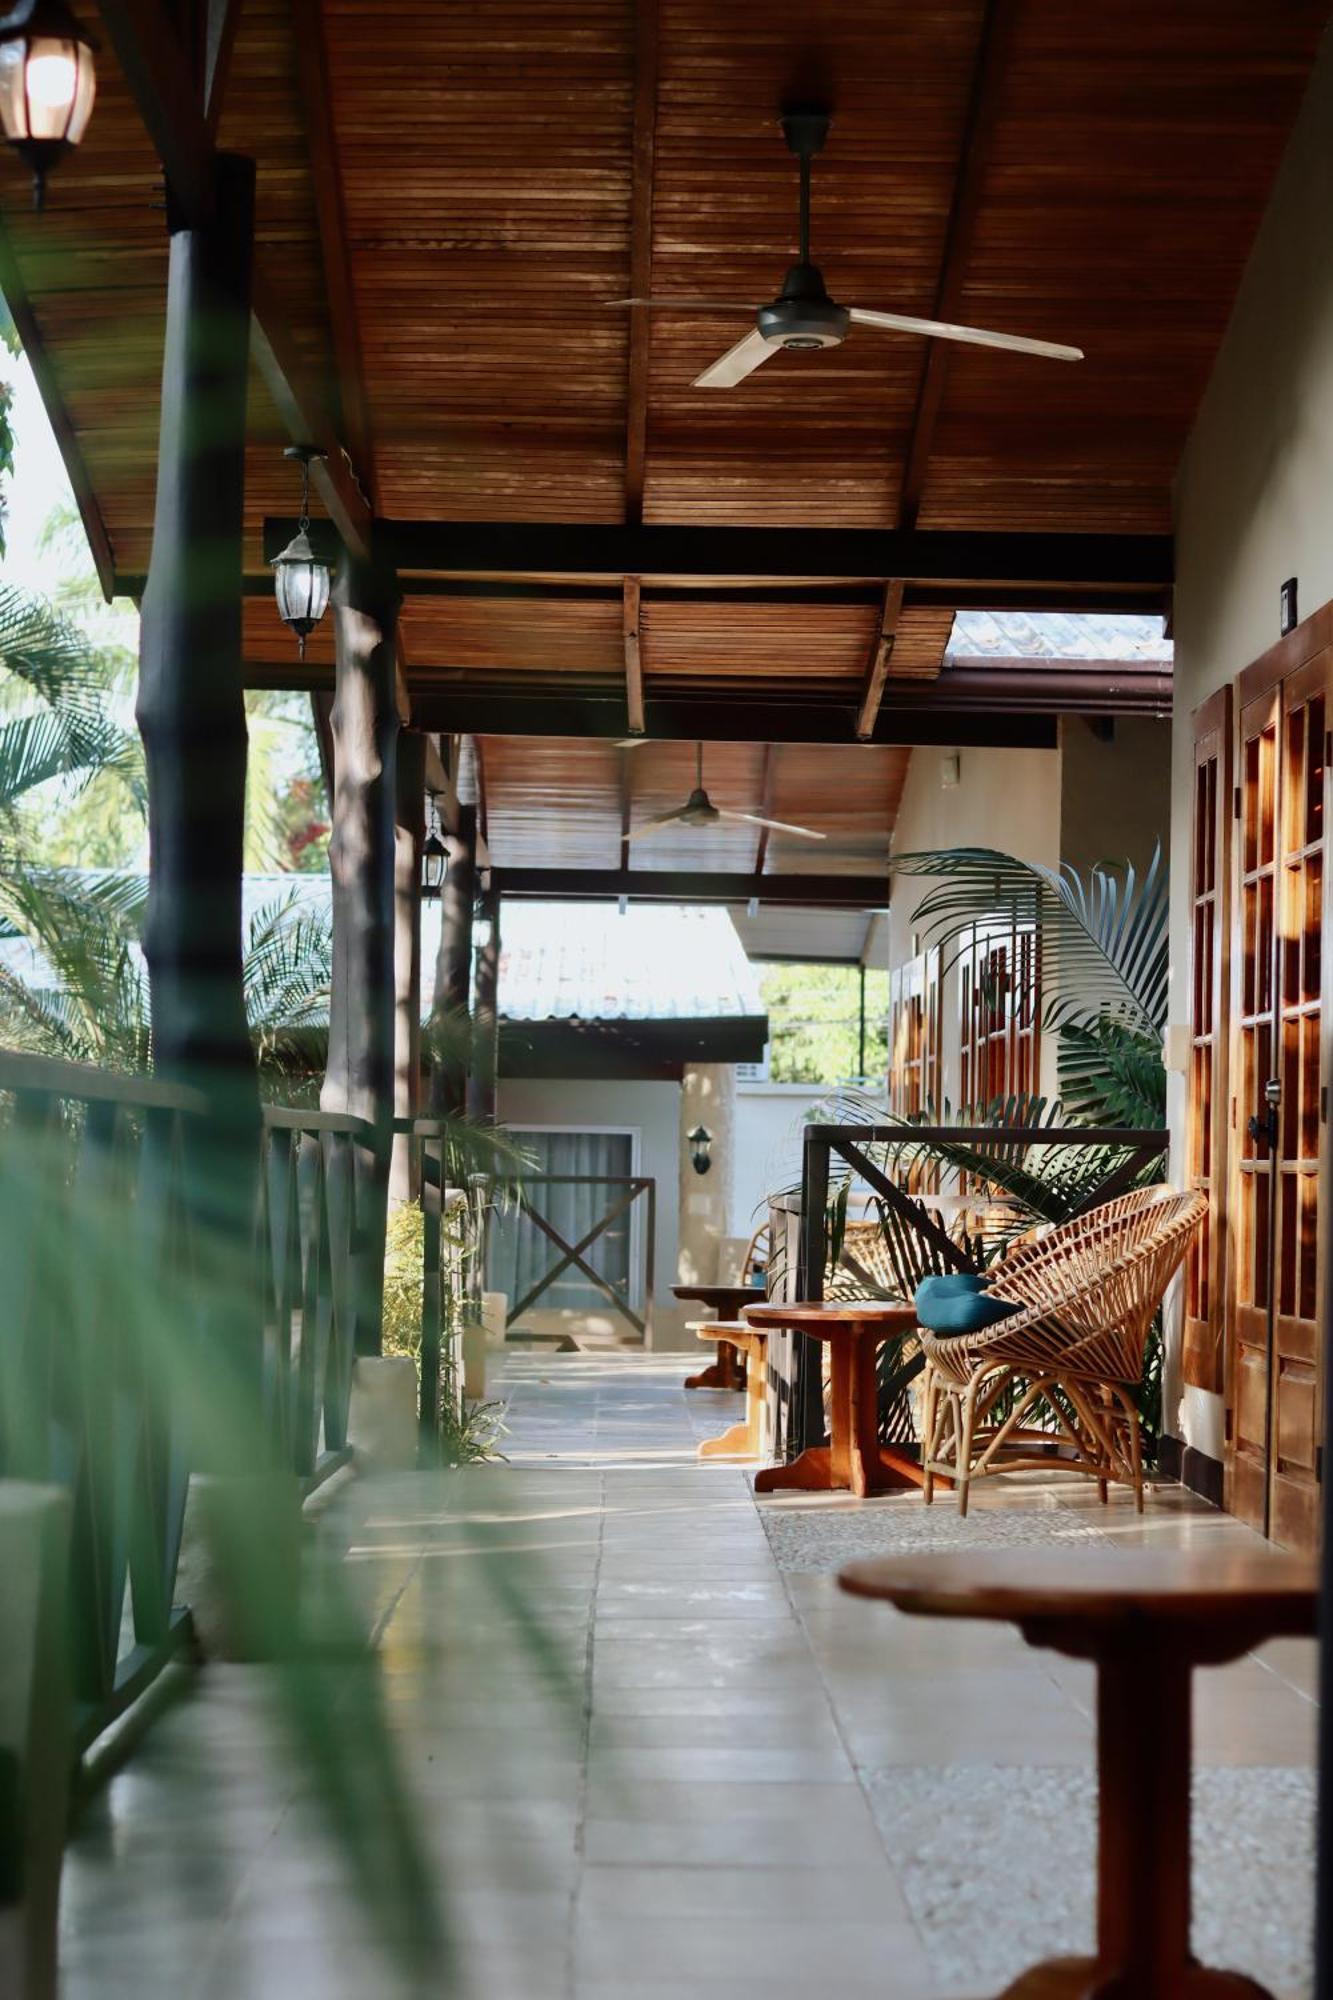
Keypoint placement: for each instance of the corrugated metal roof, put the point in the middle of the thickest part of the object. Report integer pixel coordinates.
(1058, 635)
(587, 962)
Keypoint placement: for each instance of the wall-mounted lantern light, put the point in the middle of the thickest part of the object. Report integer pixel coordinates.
(47, 84)
(300, 580)
(701, 1143)
(434, 858)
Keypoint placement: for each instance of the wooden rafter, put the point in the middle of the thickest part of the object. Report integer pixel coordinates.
(877, 673)
(150, 55)
(765, 808)
(960, 233)
(48, 388)
(479, 779)
(625, 853)
(641, 253)
(219, 40)
(633, 657)
(330, 208)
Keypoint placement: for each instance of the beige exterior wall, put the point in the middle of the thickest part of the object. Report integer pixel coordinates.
(1254, 505)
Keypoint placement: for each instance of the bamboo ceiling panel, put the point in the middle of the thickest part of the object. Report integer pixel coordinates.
(1133, 154)
(483, 255)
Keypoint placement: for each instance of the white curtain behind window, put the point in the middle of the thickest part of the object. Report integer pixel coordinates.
(520, 1253)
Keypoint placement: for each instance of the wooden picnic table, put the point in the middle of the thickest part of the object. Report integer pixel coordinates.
(1146, 1618)
(854, 1458)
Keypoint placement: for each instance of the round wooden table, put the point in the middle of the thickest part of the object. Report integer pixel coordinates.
(854, 1458)
(723, 1302)
(1146, 1618)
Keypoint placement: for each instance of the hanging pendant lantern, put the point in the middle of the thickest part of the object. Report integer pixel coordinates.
(434, 856)
(300, 579)
(47, 84)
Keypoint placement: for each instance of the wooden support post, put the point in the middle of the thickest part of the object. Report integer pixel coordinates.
(191, 714)
(360, 1075)
(450, 1021)
(409, 833)
(481, 1084)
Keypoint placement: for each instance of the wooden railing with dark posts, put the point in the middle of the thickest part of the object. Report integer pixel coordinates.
(96, 1255)
(453, 1269)
(918, 1242)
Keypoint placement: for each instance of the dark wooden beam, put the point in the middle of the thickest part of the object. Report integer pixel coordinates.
(633, 657)
(833, 892)
(149, 52)
(67, 442)
(528, 710)
(534, 549)
(640, 254)
(974, 159)
(877, 673)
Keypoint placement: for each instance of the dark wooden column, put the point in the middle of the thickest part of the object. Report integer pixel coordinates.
(409, 833)
(360, 1075)
(481, 1084)
(450, 1020)
(191, 714)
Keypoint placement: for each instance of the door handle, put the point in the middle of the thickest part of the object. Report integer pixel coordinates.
(1263, 1126)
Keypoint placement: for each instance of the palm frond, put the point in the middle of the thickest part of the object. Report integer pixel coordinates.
(1110, 1074)
(1103, 936)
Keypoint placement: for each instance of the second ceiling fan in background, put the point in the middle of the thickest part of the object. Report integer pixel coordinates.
(699, 810)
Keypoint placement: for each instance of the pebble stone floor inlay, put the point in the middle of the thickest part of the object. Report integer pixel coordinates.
(713, 1775)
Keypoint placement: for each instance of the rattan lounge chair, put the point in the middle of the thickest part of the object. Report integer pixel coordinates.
(1052, 1384)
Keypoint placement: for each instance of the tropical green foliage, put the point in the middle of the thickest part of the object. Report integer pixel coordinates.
(815, 1022)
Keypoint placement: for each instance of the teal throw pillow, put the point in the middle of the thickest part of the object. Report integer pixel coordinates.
(956, 1284)
(963, 1312)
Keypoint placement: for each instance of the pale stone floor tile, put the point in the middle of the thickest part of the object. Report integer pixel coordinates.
(670, 1791)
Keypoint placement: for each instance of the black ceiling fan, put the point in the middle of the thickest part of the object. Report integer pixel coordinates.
(699, 810)
(803, 316)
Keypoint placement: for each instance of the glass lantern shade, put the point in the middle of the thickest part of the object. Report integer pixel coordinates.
(434, 862)
(301, 584)
(47, 87)
(701, 1146)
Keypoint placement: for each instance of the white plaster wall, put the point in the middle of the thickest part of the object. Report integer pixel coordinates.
(707, 1101)
(770, 1119)
(1254, 505)
(652, 1111)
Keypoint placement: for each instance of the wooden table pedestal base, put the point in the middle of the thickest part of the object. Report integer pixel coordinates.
(1085, 1979)
(854, 1459)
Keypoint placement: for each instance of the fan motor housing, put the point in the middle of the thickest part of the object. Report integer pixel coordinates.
(803, 316)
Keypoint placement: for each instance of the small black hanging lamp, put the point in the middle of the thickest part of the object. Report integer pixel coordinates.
(434, 858)
(47, 84)
(300, 579)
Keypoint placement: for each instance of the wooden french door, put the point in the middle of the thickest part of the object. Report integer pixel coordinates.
(1277, 1112)
(1204, 1352)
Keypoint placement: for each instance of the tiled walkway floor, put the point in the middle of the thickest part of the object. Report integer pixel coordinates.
(652, 1760)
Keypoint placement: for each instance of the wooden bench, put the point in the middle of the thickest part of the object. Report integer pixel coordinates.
(746, 1438)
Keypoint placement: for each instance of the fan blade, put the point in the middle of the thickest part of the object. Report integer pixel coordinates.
(653, 825)
(776, 825)
(975, 336)
(686, 305)
(738, 362)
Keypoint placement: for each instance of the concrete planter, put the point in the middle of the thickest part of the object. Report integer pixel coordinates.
(240, 1565)
(383, 1424)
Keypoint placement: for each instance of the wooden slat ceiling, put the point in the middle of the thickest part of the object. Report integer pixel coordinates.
(1086, 174)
